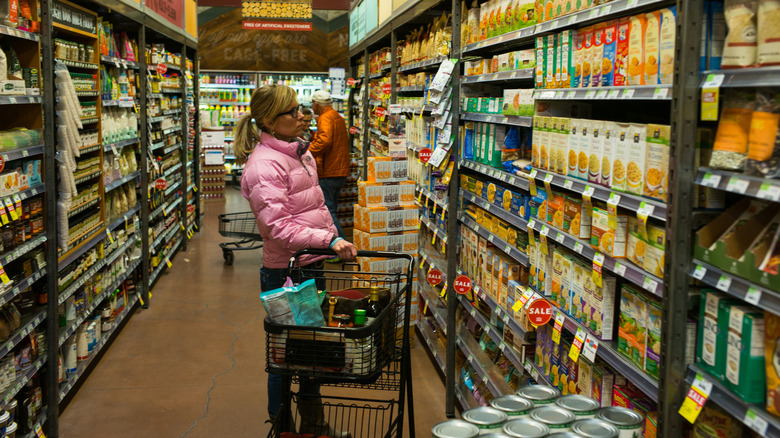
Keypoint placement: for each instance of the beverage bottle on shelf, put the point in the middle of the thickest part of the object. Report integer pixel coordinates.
(223, 113)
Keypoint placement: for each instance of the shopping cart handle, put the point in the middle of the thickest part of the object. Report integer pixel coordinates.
(360, 253)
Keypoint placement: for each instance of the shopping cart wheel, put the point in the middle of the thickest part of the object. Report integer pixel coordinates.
(228, 256)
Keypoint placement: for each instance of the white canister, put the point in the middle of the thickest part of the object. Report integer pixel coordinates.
(71, 356)
(82, 343)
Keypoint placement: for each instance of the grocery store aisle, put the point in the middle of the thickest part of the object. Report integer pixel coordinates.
(193, 363)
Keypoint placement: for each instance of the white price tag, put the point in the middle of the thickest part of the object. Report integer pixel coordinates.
(495, 76)
(702, 384)
(490, 238)
(606, 9)
(737, 185)
(568, 184)
(590, 94)
(589, 190)
(571, 94)
(578, 247)
(660, 93)
(573, 19)
(590, 347)
(724, 282)
(699, 272)
(628, 94)
(12, 99)
(593, 13)
(598, 258)
(753, 421)
(545, 231)
(602, 94)
(769, 191)
(650, 284)
(613, 94)
(620, 269)
(753, 296)
(560, 237)
(531, 223)
(647, 209)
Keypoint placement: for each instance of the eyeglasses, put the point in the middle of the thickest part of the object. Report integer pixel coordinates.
(293, 112)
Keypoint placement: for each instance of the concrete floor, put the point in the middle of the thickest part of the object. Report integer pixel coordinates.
(193, 363)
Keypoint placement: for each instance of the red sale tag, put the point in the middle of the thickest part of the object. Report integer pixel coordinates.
(425, 154)
(462, 284)
(434, 277)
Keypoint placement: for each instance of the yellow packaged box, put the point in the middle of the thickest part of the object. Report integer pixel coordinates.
(555, 210)
(654, 251)
(652, 36)
(576, 218)
(386, 169)
(657, 162)
(620, 156)
(370, 220)
(370, 194)
(606, 239)
(636, 158)
(635, 243)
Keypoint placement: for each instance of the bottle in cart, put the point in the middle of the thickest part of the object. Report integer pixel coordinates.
(373, 309)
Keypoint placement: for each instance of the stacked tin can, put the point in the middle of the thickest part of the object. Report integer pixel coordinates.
(538, 411)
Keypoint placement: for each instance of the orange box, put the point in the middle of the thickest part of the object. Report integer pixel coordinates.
(636, 50)
(370, 220)
(621, 53)
(386, 169)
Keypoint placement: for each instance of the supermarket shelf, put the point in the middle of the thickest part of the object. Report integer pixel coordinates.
(120, 144)
(117, 183)
(614, 9)
(153, 67)
(125, 217)
(427, 193)
(411, 88)
(14, 100)
(119, 61)
(225, 86)
(67, 387)
(522, 74)
(746, 77)
(171, 112)
(504, 314)
(87, 93)
(509, 217)
(630, 92)
(27, 325)
(97, 266)
(221, 102)
(79, 64)
(32, 191)
(9, 294)
(465, 342)
(88, 177)
(511, 251)
(27, 375)
(65, 333)
(731, 403)
(735, 182)
(161, 267)
(38, 424)
(81, 245)
(436, 230)
(83, 206)
(172, 169)
(10, 31)
(173, 130)
(424, 109)
(158, 96)
(155, 119)
(89, 120)
(170, 90)
(156, 212)
(21, 250)
(624, 269)
(165, 236)
(536, 373)
(122, 103)
(155, 146)
(497, 118)
(736, 286)
(627, 201)
(424, 333)
(423, 65)
(375, 75)
(89, 149)
(512, 179)
(171, 148)
(607, 350)
(465, 403)
(172, 188)
(22, 153)
(494, 334)
(437, 313)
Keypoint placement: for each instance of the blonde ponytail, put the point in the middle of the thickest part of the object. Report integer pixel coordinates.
(266, 103)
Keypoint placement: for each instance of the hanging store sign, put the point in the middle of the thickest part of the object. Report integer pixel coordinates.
(276, 15)
(171, 10)
(73, 16)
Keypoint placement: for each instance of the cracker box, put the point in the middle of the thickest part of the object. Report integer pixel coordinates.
(510, 271)
(386, 169)
(606, 238)
(487, 270)
(636, 159)
(653, 354)
(602, 384)
(597, 54)
(609, 56)
(552, 143)
(667, 37)
(619, 78)
(370, 220)
(584, 377)
(620, 156)
(745, 372)
(495, 281)
(557, 280)
(566, 280)
(652, 37)
(584, 149)
(636, 50)
(710, 348)
(580, 274)
(536, 139)
(657, 162)
(632, 326)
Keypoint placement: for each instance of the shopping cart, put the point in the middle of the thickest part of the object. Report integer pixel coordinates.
(375, 357)
(239, 226)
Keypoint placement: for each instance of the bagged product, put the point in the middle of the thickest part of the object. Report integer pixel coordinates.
(768, 32)
(741, 41)
(763, 141)
(731, 140)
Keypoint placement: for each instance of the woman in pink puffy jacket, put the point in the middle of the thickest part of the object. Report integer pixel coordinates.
(280, 181)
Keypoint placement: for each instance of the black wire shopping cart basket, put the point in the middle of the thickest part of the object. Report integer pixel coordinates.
(238, 226)
(374, 357)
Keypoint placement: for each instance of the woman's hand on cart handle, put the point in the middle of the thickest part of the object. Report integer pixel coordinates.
(345, 250)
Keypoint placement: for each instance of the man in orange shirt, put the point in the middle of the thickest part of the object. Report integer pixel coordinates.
(330, 147)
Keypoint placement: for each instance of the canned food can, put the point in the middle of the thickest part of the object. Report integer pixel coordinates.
(595, 428)
(494, 435)
(540, 395)
(455, 429)
(566, 435)
(627, 421)
(525, 428)
(513, 406)
(557, 419)
(582, 407)
(486, 419)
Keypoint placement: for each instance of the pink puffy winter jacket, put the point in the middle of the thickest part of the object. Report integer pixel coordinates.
(284, 193)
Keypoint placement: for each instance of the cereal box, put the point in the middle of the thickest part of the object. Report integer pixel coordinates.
(653, 357)
(602, 384)
(636, 159)
(621, 52)
(666, 45)
(576, 218)
(636, 50)
(567, 55)
(553, 141)
(605, 238)
(745, 354)
(610, 138)
(551, 61)
(610, 54)
(544, 143)
(652, 36)
(597, 54)
(510, 271)
(587, 45)
(657, 162)
(541, 65)
(632, 326)
(577, 57)
(584, 149)
(573, 143)
(563, 146)
(596, 151)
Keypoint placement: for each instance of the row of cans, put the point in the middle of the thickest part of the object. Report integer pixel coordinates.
(538, 411)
